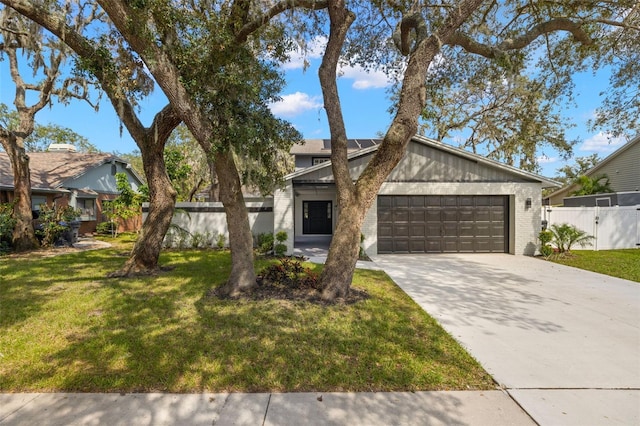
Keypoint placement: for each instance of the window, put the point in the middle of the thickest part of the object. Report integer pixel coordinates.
(319, 160)
(37, 201)
(87, 207)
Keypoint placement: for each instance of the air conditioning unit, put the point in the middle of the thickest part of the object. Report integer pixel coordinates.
(61, 147)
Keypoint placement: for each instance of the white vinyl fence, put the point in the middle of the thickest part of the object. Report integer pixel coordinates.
(611, 227)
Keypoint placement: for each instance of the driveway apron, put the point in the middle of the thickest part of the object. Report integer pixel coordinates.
(565, 343)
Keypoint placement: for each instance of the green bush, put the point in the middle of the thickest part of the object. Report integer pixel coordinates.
(264, 243)
(221, 241)
(53, 223)
(105, 228)
(565, 236)
(7, 223)
(280, 248)
(545, 237)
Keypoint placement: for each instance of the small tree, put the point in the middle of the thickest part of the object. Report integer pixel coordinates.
(565, 236)
(125, 206)
(593, 185)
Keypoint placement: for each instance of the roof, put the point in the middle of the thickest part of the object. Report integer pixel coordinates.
(50, 170)
(323, 146)
(594, 170)
(547, 183)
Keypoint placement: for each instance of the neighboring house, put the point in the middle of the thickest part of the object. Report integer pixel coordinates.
(64, 177)
(622, 167)
(438, 199)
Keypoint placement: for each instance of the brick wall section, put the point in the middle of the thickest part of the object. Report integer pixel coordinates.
(283, 217)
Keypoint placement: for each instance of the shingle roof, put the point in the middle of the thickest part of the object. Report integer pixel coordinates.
(323, 146)
(441, 146)
(49, 170)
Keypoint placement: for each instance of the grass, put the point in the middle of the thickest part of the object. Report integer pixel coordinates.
(65, 327)
(616, 263)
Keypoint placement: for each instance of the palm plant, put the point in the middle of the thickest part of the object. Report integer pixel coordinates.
(593, 185)
(565, 236)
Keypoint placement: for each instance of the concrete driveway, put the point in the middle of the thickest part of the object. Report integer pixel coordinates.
(564, 343)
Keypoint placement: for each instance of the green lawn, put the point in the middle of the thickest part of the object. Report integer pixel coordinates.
(65, 327)
(617, 263)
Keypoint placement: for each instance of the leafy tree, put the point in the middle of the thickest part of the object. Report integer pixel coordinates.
(123, 78)
(557, 37)
(46, 56)
(199, 55)
(126, 205)
(192, 157)
(45, 135)
(593, 185)
(571, 172)
(508, 118)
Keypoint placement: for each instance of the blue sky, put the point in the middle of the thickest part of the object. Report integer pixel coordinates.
(364, 100)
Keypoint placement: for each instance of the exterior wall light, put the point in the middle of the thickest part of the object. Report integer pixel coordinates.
(527, 203)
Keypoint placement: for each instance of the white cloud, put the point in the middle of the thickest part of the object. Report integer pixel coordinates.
(602, 142)
(315, 50)
(364, 79)
(295, 104)
(543, 159)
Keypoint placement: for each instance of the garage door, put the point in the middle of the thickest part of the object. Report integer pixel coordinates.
(442, 224)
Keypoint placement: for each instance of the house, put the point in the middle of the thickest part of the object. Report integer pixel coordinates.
(66, 177)
(438, 199)
(318, 151)
(622, 167)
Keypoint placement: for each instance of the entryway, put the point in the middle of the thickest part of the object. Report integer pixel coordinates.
(317, 217)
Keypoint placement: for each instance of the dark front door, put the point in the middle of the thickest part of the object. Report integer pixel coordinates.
(316, 217)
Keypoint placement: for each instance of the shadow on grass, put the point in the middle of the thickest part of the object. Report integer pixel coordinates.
(164, 334)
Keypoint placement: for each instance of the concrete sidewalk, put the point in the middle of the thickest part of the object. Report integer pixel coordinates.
(402, 408)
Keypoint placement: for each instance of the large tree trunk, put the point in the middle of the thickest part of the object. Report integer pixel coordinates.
(162, 198)
(162, 195)
(343, 252)
(242, 277)
(355, 199)
(23, 233)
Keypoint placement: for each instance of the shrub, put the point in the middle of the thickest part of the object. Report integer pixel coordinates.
(265, 243)
(200, 240)
(545, 238)
(280, 248)
(565, 236)
(105, 228)
(290, 273)
(53, 223)
(220, 241)
(7, 223)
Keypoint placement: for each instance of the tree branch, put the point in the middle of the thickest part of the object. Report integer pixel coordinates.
(340, 21)
(401, 36)
(275, 10)
(560, 24)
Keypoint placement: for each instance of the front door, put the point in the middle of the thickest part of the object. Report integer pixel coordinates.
(316, 217)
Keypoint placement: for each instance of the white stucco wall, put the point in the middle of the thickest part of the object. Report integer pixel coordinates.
(215, 223)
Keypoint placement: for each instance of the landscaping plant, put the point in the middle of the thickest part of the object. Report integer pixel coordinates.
(53, 222)
(7, 223)
(566, 236)
(545, 236)
(280, 248)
